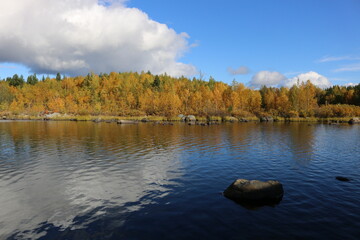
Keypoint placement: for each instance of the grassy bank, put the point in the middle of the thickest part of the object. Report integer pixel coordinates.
(104, 118)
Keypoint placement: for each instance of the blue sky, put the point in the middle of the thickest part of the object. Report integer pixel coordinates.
(283, 36)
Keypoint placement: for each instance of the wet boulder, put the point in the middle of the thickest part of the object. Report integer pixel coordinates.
(190, 118)
(354, 120)
(231, 119)
(255, 191)
(343, 179)
(181, 117)
(52, 115)
(126, 122)
(266, 119)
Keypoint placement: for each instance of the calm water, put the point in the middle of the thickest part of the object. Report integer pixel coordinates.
(68, 180)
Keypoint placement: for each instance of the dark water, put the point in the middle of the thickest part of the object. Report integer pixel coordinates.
(68, 180)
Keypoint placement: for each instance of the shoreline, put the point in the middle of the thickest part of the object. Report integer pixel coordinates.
(218, 119)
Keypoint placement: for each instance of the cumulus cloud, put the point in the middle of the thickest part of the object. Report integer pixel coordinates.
(314, 77)
(76, 37)
(267, 78)
(276, 79)
(242, 70)
(350, 84)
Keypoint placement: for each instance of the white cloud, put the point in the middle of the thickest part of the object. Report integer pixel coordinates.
(314, 77)
(350, 84)
(349, 68)
(288, 74)
(267, 78)
(340, 58)
(76, 37)
(276, 79)
(242, 70)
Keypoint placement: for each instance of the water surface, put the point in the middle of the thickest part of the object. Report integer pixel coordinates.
(82, 180)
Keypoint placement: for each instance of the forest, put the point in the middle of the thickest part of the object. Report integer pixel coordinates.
(145, 94)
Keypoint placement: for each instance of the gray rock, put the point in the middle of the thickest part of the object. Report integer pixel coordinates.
(144, 120)
(52, 115)
(126, 122)
(354, 120)
(182, 117)
(266, 119)
(232, 119)
(343, 179)
(190, 118)
(256, 191)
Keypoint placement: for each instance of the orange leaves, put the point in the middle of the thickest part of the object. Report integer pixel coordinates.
(134, 94)
(338, 110)
(56, 105)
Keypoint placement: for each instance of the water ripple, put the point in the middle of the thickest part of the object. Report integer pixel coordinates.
(65, 180)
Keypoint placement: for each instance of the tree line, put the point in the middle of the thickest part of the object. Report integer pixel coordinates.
(139, 94)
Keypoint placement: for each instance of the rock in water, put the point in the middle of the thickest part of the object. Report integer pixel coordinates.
(354, 120)
(266, 119)
(343, 179)
(126, 122)
(182, 117)
(255, 191)
(190, 118)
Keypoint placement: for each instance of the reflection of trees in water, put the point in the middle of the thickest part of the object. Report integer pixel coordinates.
(240, 136)
(301, 142)
(260, 142)
(70, 169)
(277, 139)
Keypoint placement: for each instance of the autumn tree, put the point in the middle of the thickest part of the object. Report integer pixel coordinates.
(307, 99)
(134, 94)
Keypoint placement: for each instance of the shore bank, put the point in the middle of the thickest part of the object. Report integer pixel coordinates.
(104, 118)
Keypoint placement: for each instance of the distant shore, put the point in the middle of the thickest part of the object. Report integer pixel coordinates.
(105, 118)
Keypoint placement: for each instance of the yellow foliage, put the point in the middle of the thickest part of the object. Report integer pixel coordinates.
(133, 94)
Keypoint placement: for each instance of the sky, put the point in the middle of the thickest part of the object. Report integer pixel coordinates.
(258, 42)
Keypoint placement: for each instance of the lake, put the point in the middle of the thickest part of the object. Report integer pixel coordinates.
(84, 180)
